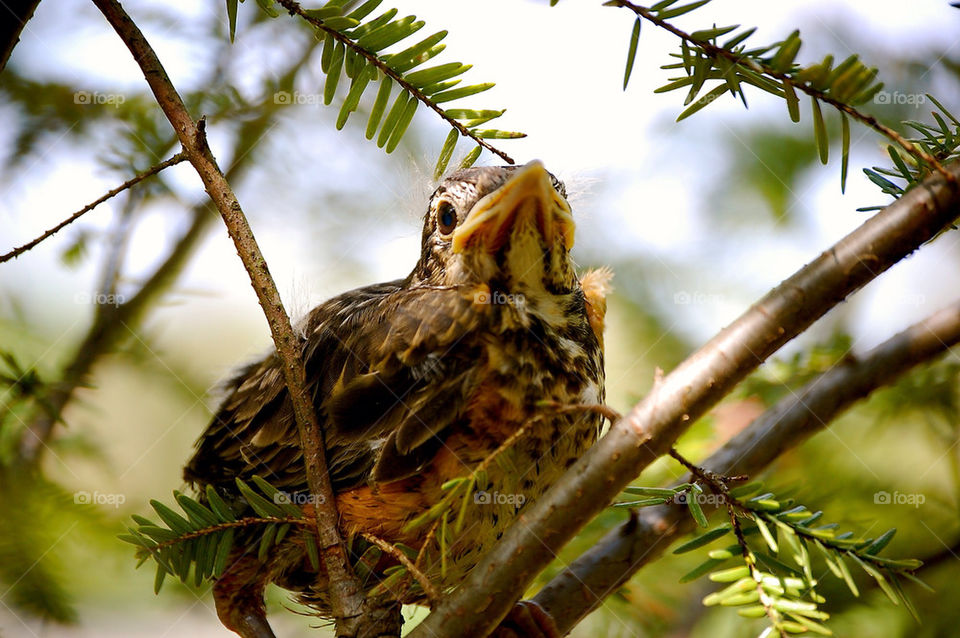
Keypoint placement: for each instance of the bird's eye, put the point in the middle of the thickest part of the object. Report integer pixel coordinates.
(446, 218)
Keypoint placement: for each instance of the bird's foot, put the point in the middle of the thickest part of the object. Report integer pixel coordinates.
(527, 619)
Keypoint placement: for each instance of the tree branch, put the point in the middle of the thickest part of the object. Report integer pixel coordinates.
(294, 8)
(389, 548)
(348, 601)
(653, 425)
(582, 586)
(17, 14)
(719, 52)
(150, 172)
(109, 328)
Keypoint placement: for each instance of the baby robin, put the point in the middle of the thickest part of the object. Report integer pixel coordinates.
(416, 382)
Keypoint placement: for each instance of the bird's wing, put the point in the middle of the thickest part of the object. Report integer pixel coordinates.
(386, 366)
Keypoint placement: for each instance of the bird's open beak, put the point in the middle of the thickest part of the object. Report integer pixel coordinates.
(527, 199)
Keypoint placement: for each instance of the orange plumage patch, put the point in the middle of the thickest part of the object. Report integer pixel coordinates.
(596, 286)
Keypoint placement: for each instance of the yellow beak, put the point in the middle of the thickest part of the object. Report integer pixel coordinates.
(527, 197)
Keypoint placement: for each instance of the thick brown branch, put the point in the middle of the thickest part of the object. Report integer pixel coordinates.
(581, 587)
(176, 159)
(346, 596)
(652, 426)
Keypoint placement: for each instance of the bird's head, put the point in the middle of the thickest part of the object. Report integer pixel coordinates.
(508, 227)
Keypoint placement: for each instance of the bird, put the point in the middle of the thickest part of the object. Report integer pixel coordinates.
(416, 382)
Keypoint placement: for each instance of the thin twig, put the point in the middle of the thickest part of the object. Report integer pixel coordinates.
(554, 409)
(348, 601)
(108, 329)
(716, 482)
(525, 427)
(240, 522)
(748, 558)
(431, 592)
(604, 410)
(153, 170)
(868, 120)
(507, 443)
(426, 542)
(295, 9)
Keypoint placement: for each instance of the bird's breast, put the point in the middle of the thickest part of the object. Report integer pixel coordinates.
(530, 361)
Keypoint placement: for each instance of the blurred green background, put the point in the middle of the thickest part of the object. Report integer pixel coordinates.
(697, 220)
